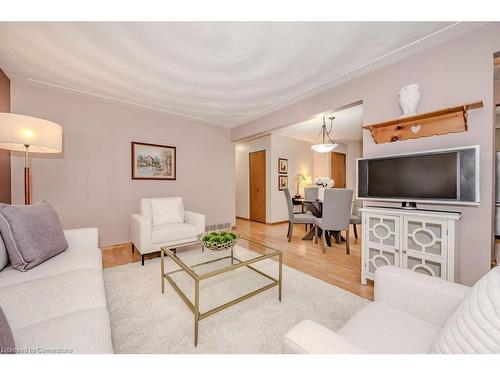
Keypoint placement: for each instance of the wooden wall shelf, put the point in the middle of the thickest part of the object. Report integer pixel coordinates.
(444, 121)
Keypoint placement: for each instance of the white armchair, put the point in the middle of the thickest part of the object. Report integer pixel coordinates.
(412, 313)
(164, 222)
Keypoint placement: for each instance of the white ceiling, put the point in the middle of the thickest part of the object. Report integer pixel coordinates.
(346, 126)
(223, 73)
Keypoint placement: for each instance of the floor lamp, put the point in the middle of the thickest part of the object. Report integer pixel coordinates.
(29, 134)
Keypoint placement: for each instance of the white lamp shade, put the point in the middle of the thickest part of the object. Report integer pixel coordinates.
(324, 147)
(16, 131)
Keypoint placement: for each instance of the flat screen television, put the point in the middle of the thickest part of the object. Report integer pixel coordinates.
(448, 176)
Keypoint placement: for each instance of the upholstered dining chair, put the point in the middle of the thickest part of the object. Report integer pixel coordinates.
(294, 218)
(356, 215)
(310, 196)
(311, 193)
(336, 215)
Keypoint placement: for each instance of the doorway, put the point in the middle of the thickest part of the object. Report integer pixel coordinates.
(338, 171)
(257, 188)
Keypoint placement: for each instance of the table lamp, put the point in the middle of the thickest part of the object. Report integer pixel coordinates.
(29, 134)
(301, 178)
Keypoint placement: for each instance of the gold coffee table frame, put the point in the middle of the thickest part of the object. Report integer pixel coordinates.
(235, 264)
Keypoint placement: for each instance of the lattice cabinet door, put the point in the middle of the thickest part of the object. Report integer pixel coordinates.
(382, 236)
(425, 246)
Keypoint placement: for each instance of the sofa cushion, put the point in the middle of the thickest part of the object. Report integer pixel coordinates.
(7, 344)
(4, 257)
(85, 331)
(172, 232)
(34, 301)
(32, 234)
(70, 260)
(378, 328)
(474, 327)
(167, 210)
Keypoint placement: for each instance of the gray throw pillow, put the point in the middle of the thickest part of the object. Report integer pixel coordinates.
(7, 345)
(32, 234)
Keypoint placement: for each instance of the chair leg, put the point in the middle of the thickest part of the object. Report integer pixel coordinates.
(316, 234)
(355, 231)
(142, 259)
(323, 242)
(133, 248)
(291, 232)
(347, 249)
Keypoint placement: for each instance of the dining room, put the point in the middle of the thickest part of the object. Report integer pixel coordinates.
(296, 188)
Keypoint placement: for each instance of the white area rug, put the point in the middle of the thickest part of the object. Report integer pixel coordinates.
(143, 320)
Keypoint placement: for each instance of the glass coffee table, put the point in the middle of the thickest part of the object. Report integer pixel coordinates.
(199, 264)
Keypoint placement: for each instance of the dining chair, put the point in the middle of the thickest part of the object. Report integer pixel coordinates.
(336, 215)
(295, 218)
(356, 215)
(311, 193)
(310, 197)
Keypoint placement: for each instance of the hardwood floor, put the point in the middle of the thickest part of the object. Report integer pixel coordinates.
(334, 267)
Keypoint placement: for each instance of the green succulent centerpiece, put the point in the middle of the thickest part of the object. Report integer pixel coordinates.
(218, 241)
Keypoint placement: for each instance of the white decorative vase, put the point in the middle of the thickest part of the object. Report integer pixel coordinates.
(409, 97)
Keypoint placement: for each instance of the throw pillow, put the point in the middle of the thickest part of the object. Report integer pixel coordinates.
(4, 258)
(7, 344)
(167, 210)
(32, 234)
(474, 327)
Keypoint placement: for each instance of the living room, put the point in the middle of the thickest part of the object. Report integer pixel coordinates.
(248, 188)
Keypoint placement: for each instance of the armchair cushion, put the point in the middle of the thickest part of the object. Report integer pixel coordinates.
(173, 232)
(378, 328)
(425, 297)
(474, 327)
(167, 210)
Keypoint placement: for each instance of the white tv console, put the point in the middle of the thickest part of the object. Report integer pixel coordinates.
(423, 241)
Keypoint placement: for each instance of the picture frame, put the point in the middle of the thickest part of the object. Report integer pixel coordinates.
(282, 166)
(153, 162)
(282, 182)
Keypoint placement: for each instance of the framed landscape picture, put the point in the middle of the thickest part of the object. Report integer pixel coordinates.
(153, 162)
(282, 166)
(282, 182)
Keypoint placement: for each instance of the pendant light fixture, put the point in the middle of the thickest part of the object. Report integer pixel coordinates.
(327, 144)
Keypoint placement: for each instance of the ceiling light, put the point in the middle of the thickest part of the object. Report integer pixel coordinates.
(327, 144)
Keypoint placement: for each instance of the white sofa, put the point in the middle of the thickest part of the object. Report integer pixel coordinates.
(148, 238)
(412, 313)
(61, 303)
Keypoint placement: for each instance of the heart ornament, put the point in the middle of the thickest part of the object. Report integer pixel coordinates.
(416, 128)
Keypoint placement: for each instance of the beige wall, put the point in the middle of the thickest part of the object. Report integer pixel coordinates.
(352, 150)
(300, 161)
(4, 154)
(90, 185)
(456, 72)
